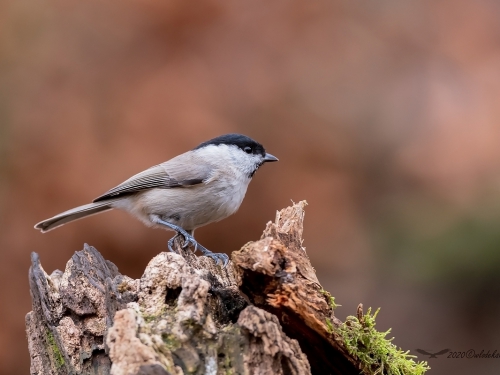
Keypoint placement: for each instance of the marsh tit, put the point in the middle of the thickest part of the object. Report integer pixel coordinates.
(196, 188)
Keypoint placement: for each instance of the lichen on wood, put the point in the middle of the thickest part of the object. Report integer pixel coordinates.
(265, 313)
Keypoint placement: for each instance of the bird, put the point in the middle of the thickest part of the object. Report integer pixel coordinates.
(196, 188)
(432, 355)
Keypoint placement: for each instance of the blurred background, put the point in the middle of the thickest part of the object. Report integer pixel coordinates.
(385, 116)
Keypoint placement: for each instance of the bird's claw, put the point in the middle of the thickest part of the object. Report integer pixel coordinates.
(192, 241)
(189, 239)
(223, 258)
(170, 244)
(218, 257)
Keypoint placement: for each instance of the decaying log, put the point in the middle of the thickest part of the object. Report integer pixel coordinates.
(265, 313)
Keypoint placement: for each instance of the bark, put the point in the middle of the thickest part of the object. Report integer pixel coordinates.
(265, 313)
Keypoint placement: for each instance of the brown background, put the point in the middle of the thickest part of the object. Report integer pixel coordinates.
(385, 116)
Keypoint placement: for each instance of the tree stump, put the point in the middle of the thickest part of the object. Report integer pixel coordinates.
(264, 313)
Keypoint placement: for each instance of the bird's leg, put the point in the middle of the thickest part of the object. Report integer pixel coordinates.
(189, 239)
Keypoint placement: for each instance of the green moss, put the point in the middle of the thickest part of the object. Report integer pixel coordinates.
(59, 359)
(330, 299)
(230, 348)
(171, 341)
(123, 287)
(148, 318)
(329, 325)
(378, 354)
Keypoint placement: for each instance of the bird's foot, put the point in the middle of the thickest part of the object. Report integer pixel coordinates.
(189, 239)
(223, 258)
(170, 243)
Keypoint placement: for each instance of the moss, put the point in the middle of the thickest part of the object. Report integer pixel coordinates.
(377, 353)
(171, 341)
(330, 299)
(329, 325)
(58, 357)
(230, 348)
(148, 318)
(123, 287)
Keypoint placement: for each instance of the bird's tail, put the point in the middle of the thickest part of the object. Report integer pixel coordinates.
(72, 215)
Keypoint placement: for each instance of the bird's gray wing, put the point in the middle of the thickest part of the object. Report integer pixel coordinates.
(181, 171)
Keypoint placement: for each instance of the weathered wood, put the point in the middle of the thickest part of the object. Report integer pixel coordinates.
(278, 277)
(265, 313)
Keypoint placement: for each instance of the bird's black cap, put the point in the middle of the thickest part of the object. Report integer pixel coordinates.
(238, 140)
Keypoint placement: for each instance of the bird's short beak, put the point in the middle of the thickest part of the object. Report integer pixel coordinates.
(269, 158)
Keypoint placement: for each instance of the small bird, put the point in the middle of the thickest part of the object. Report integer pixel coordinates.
(196, 188)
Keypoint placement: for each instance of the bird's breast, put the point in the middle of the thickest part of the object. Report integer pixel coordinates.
(194, 206)
(227, 196)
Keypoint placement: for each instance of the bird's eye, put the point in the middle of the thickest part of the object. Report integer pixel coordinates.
(248, 150)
